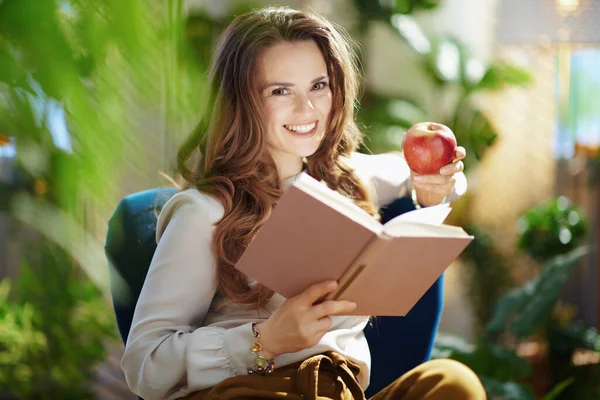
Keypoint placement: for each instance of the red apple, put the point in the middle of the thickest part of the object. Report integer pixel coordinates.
(428, 146)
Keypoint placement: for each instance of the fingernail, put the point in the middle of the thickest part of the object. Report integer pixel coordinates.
(418, 178)
(352, 305)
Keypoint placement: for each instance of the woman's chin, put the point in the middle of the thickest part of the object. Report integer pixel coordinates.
(306, 152)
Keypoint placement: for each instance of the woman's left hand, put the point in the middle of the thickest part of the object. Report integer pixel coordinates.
(433, 189)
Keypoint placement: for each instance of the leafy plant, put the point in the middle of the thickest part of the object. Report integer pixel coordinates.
(53, 328)
(551, 228)
(527, 311)
(531, 307)
(531, 304)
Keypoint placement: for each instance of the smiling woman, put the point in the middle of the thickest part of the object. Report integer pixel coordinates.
(284, 87)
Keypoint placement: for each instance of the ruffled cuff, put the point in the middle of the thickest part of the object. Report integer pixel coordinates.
(238, 344)
(229, 350)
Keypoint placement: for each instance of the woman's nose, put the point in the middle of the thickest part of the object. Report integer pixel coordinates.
(304, 105)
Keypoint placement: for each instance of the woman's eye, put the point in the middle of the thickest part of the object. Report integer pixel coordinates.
(280, 92)
(320, 85)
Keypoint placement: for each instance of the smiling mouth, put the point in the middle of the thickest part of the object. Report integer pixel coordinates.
(302, 129)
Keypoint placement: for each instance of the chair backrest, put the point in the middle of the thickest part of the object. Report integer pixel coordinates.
(130, 246)
(397, 343)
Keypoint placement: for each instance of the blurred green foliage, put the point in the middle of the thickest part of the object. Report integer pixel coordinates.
(529, 311)
(81, 83)
(53, 328)
(456, 75)
(551, 228)
(530, 306)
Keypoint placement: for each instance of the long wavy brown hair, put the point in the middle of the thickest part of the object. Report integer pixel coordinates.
(226, 155)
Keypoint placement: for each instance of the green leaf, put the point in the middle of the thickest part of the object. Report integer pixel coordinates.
(10, 71)
(504, 390)
(550, 228)
(558, 389)
(496, 362)
(501, 75)
(410, 31)
(453, 60)
(444, 61)
(472, 72)
(446, 345)
(472, 69)
(390, 110)
(373, 9)
(428, 4)
(484, 358)
(473, 130)
(510, 304)
(35, 31)
(19, 116)
(385, 120)
(576, 335)
(382, 8)
(538, 309)
(405, 112)
(532, 304)
(60, 228)
(404, 6)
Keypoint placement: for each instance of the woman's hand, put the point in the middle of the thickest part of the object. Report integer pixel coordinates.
(299, 324)
(432, 189)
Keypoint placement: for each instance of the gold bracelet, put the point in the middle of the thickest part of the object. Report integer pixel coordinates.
(262, 366)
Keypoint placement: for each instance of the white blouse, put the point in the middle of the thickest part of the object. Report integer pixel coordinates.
(180, 342)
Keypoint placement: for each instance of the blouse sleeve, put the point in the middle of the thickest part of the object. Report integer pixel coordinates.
(168, 355)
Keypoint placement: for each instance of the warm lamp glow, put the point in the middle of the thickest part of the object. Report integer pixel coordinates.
(567, 6)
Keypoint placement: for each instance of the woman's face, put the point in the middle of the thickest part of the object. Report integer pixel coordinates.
(294, 88)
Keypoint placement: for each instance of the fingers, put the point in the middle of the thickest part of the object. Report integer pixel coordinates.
(452, 168)
(316, 291)
(447, 170)
(332, 307)
(323, 325)
(420, 180)
(441, 190)
(459, 153)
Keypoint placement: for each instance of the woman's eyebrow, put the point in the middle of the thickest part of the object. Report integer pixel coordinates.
(320, 78)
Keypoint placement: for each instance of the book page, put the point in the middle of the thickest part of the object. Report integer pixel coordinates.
(434, 215)
(337, 201)
(417, 229)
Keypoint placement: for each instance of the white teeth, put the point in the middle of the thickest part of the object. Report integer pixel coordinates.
(301, 128)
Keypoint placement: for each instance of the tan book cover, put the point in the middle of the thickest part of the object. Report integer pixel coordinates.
(316, 234)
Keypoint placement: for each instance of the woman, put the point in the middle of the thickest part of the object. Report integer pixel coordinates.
(284, 85)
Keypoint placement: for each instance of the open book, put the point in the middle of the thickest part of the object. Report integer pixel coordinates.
(315, 234)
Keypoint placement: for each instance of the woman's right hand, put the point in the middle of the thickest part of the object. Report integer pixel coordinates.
(299, 324)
